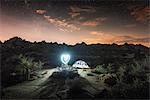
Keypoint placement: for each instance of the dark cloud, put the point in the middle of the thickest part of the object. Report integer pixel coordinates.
(141, 13)
(136, 40)
(94, 23)
(77, 10)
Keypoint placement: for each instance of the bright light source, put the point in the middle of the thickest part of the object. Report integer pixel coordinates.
(65, 58)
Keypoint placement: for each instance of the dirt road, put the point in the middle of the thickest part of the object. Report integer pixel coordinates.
(47, 87)
(27, 89)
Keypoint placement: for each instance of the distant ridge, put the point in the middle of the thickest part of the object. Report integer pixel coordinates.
(18, 39)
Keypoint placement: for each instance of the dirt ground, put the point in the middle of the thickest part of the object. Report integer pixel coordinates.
(31, 89)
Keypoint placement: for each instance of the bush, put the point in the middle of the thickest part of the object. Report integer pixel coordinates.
(130, 91)
(132, 81)
(111, 81)
(27, 65)
(134, 71)
(100, 70)
(111, 68)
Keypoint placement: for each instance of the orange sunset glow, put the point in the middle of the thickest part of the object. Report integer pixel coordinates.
(77, 23)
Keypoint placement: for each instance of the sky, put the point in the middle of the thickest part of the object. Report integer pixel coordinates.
(76, 21)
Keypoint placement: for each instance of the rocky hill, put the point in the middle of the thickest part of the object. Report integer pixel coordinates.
(93, 54)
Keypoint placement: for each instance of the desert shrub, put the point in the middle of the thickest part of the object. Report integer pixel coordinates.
(132, 81)
(111, 81)
(121, 73)
(111, 68)
(100, 70)
(135, 71)
(130, 91)
(139, 70)
(37, 65)
(27, 65)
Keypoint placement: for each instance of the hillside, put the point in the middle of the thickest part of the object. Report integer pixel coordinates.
(94, 54)
(116, 71)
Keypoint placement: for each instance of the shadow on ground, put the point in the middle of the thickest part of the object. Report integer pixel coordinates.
(59, 85)
(68, 85)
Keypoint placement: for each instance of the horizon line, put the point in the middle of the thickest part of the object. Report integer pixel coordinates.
(74, 43)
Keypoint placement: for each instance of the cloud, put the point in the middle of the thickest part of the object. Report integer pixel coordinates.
(62, 24)
(104, 37)
(137, 40)
(94, 23)
(96, 33)
(109, 38)
(141, 13)
(74, 14)
(76, 10)
(144, 41)
(40, 11)
(82, 8)
(90, 23)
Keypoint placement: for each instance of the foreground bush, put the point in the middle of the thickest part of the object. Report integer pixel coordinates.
(130, 91)
(18, 69)
(27, 65)
(100, 70)
(111, 81)
(132, 81)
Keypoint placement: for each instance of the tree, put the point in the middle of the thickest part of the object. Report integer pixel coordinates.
(29, 65)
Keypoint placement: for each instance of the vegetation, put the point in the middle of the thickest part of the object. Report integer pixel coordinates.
(100, 69)
(132, 81)
(27, 65)
(126, 81)
(129, 63)
(20, 68)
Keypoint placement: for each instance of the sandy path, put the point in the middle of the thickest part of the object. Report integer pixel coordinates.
(32, 89)
(27, 89)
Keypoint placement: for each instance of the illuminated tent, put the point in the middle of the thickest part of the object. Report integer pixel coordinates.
(80, 64)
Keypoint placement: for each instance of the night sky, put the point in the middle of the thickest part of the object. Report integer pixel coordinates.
(89, 21)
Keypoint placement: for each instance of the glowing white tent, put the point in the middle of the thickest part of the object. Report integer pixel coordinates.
(80, 64)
